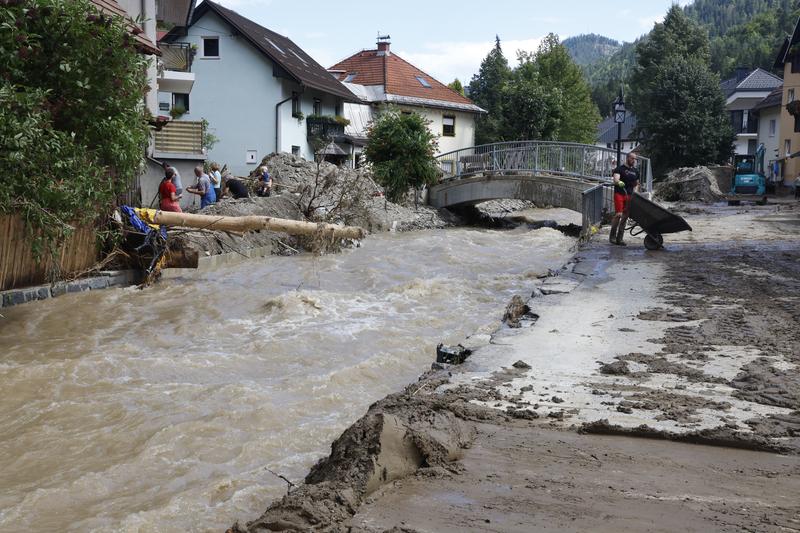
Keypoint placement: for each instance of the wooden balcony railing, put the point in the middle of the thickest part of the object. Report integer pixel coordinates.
(180, 137)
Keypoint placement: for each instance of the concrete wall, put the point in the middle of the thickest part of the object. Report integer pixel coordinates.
(237, 94)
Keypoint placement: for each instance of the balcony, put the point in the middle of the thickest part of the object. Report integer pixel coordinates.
(180, 138)
(175, 68)
(744, 123)
(324, 127)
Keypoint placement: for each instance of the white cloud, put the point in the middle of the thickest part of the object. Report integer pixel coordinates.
(446, 61)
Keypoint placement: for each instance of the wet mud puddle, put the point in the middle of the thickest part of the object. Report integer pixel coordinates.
(161, 410)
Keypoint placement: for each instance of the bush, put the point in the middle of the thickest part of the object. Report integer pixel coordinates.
(72, 123)
(401, 150)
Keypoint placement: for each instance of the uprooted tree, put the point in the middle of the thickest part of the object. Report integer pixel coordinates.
(401, 149)
(72, 123)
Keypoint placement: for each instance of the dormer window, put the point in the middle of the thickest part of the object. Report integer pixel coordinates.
(422, 81)
(350, 77)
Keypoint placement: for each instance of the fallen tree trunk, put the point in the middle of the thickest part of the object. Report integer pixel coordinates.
(250, 223)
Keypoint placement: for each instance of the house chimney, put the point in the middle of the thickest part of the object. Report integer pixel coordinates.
(384, 44)
(741, 73)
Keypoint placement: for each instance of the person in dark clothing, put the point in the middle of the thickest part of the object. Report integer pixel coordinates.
(626, 181)
(234, 187)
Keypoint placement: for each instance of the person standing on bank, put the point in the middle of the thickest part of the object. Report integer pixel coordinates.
(216, 180)
(203, 188)
(626, 181)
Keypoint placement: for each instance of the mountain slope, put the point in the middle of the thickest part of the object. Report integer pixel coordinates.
(590, 48)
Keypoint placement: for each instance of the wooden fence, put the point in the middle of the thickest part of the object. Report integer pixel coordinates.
(20, 268)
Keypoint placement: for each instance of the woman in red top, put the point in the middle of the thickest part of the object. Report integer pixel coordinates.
(168, 194)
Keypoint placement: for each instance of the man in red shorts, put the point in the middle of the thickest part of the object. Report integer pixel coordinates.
(626, 181)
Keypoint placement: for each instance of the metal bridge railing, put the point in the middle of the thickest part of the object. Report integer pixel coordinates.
(542, 157)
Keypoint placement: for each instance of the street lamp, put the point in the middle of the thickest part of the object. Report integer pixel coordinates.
(619, 118)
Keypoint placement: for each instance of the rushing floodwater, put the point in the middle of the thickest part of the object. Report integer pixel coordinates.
(161, 410)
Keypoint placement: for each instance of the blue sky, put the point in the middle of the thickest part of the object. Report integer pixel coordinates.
(447, 39)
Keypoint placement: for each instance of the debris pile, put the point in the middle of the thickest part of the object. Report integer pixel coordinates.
(690, 184)
(326, 192)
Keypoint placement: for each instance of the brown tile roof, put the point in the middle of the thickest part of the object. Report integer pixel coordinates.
(143, 43)
(279, 49)
(399, 78)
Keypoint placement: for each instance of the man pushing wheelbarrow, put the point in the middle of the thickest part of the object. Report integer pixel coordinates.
(646, 217)
(626, 181)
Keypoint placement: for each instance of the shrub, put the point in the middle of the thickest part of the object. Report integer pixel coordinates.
(72, 122)
(401, 149)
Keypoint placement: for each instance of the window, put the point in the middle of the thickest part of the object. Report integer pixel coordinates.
(295, 150)
(449, 125)
(180, 100)
(405, 112)
(296, 111)
(422, 81)
(275, 46)
(350, 77)
(211, 47)
(797, 124)
(772, 128)
(790, 95)
(317, 106)
(787, 147)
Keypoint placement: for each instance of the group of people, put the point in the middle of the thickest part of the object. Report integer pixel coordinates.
(210, 187)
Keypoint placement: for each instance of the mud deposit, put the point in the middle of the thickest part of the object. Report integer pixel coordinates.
(682, 349)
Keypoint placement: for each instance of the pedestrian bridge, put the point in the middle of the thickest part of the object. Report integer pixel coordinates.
(567, 175)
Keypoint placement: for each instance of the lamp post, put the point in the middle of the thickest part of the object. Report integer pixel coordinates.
(619, 118)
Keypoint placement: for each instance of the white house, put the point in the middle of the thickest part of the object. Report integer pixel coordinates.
(768, 112)
(253, 86)
(380, 77)
(742, 93)
(607, 134)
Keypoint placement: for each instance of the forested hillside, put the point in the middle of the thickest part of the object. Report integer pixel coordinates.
(742, 33)
(590, 48)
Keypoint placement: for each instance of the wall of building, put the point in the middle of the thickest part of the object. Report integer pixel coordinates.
(293, 133)
(235, 93)
(791, 168)
(145, 10)
(770, 141)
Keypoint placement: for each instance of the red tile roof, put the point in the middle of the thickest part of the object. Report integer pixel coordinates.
(143, 43)
(398, 76)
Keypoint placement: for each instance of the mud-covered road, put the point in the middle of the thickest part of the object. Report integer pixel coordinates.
(695, 348)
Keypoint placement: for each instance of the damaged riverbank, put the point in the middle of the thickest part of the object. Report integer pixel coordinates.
(696, 343)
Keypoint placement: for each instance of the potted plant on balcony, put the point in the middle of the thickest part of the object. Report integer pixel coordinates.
(793, 108)
(177, 111)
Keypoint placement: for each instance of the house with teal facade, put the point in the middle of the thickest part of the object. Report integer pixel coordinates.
(258, 90)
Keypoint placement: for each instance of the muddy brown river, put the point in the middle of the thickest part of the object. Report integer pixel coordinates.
(163, 409)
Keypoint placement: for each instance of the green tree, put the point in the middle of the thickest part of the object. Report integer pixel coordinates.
(72, 124)
(677, 98)
(456, 86)
(401, 149)
(578, 116)
(486, 90)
